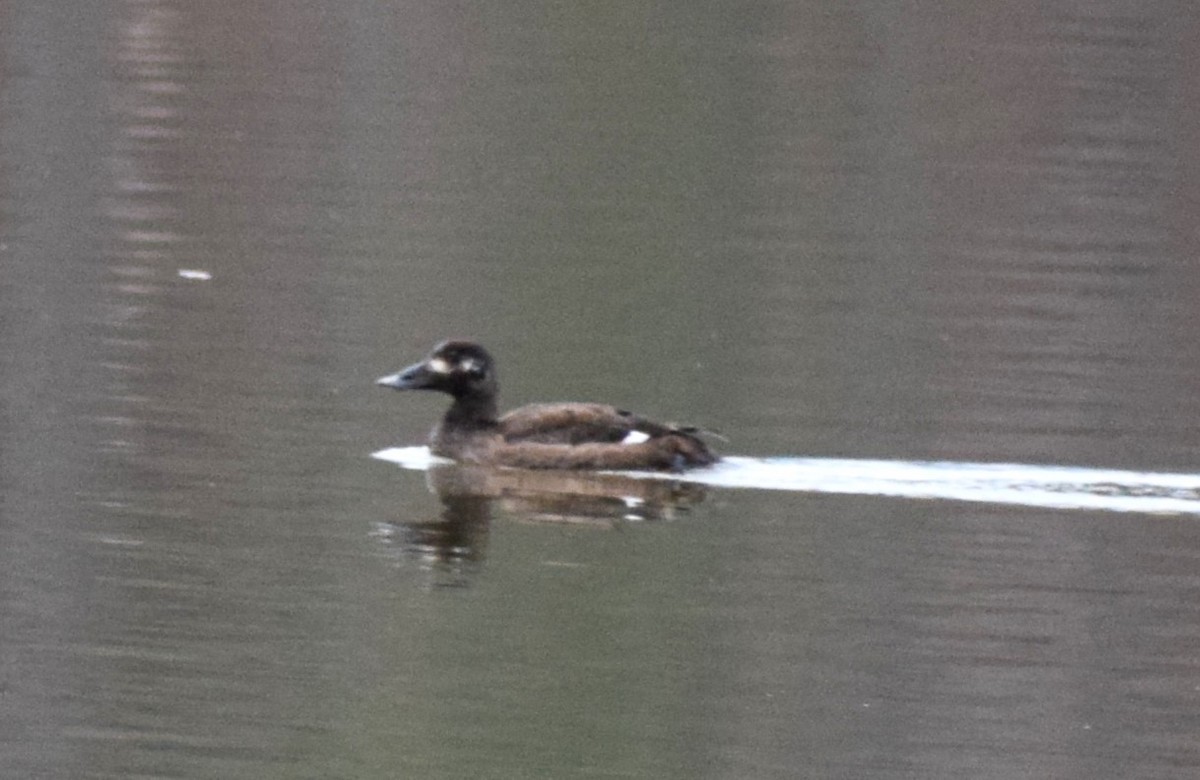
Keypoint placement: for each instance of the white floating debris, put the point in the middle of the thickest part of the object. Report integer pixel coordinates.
(191, 273)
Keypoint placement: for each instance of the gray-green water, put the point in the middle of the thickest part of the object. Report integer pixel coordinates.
(894, 232)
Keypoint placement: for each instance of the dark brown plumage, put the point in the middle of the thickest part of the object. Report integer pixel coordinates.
(539, 436)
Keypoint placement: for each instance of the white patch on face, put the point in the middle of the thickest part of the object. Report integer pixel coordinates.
(439, 366)
(635, 437)
(470, 365)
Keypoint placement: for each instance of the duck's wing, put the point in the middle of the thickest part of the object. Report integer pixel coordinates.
(573, 423)
(597, 437)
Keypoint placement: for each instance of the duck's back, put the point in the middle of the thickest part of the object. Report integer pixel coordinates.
(568, 423)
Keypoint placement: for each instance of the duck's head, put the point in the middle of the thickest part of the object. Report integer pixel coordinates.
(458, 368)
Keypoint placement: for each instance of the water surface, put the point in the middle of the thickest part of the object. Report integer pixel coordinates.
(838, 234)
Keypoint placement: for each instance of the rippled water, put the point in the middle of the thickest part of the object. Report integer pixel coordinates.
(993, 483)
(882, 249)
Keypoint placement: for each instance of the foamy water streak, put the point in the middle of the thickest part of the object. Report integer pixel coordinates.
(1060, 487)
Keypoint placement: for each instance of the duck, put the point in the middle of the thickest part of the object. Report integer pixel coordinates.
(576, 436)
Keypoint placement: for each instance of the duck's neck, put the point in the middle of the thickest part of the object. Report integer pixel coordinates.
(471, 411)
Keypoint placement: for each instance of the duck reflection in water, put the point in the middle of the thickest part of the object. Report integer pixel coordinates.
(455, 543)
(540, 463)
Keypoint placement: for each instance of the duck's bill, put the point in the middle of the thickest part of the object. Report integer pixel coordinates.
(416, 377)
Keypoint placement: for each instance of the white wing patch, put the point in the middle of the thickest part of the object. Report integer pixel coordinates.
(635, 437)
